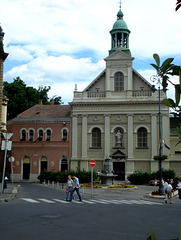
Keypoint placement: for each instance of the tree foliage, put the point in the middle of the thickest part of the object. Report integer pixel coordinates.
(21, 97)
(164, 71)
(178, 5)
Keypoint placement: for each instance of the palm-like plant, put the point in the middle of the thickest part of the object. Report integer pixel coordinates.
(178, 5)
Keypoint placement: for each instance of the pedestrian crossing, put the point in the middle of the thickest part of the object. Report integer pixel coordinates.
(91, 201)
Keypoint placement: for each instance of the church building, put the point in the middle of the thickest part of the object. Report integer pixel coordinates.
(116, 115)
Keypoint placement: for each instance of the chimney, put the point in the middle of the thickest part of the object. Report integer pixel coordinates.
(51, 102)
(40, 102)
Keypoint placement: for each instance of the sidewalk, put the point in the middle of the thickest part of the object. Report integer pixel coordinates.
(9, 193)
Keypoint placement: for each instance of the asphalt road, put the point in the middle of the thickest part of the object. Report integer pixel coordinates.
(37, 214)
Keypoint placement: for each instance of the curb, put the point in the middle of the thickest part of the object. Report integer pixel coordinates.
(13, 194)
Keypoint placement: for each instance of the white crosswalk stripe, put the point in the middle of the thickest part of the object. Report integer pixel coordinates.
(60, 201)
(86, 201)
(92, 201)
(30, 200)
(45, 200)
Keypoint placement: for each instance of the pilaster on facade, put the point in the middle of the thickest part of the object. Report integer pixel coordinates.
(84, 137)
(130, 136)
(154, 137)
(165, 132)
(74, 136)
(107, 136)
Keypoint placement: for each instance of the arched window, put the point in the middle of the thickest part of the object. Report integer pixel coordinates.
(40, 135)
(48, 135)
(96, 138)
(23, 135)
(64, 164)
(65, 135)
(142, 141)
(119, 82)
(31, 135)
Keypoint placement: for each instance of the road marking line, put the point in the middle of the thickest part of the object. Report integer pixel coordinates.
(45, 200)
(150, 203)
(124, 201)
(98, 201)
(30, 200)
(88, 202)
(109, 201)
(61, 201)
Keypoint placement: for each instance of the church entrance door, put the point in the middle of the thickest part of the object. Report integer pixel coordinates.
(119, 169)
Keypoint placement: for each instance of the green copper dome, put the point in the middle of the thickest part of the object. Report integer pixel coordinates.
(120, 24)
(120, 35)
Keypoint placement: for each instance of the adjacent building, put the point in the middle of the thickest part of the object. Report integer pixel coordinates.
(41, 140)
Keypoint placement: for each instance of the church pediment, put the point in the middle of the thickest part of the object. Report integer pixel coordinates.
(118, 155)
(95, 81)
(119, 55)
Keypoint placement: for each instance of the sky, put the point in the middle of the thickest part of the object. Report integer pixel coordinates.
(60, 43)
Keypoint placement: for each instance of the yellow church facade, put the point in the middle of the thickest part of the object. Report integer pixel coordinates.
(116, 116)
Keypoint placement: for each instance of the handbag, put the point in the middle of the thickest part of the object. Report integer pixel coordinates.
(66, 191)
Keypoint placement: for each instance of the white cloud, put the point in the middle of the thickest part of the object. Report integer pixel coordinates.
(55, 36)
(58, 72)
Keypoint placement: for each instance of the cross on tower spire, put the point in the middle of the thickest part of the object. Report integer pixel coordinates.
(120, 3)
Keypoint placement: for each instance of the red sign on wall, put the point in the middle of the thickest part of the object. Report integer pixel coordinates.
(92, 163)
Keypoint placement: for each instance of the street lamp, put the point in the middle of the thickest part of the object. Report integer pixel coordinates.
(156, 79)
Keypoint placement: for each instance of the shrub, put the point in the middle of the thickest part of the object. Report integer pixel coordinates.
(144, 177)
(61, 177)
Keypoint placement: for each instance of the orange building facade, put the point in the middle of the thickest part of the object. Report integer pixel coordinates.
(41, 140)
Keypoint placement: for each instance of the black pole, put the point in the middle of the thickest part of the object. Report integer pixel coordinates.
(160, 146)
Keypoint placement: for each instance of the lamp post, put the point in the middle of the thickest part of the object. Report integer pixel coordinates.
(156, 79)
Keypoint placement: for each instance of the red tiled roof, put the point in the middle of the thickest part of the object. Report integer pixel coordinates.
(46, 111)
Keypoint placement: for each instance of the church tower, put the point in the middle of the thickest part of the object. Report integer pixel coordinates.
(120, 35)
(115, 116)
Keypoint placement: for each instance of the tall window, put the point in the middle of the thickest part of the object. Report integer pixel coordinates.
(40, 135)
(142, 141)
(119, 82)
(31, 135)
(96, 138)
(65, 135)
(48, 135)
(23, 135)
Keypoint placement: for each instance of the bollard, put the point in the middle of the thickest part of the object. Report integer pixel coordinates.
(57, 184)
(53, 183)
(62, 186)
(5, 183)
(83, 190)
(48, 182)
(44, 182)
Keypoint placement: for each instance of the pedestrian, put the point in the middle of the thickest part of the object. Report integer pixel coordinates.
(169, 193)
(179, 189)
(69, 188)
(76, 188)
(155, 182)
(165, 189)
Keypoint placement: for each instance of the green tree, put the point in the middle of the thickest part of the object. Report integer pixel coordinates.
(22, 97)
(164, 71)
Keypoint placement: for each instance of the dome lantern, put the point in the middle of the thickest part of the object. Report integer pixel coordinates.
(120, 35)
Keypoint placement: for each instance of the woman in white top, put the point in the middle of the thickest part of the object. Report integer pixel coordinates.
(179, 189)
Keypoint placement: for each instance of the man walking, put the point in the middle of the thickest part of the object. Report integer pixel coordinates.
(169, 193)
(76, 188)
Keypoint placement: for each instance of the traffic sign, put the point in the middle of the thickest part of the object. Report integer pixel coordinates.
(6, 145)
(13, 166)
(7, 136)
(11, 159)
(92, 163)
